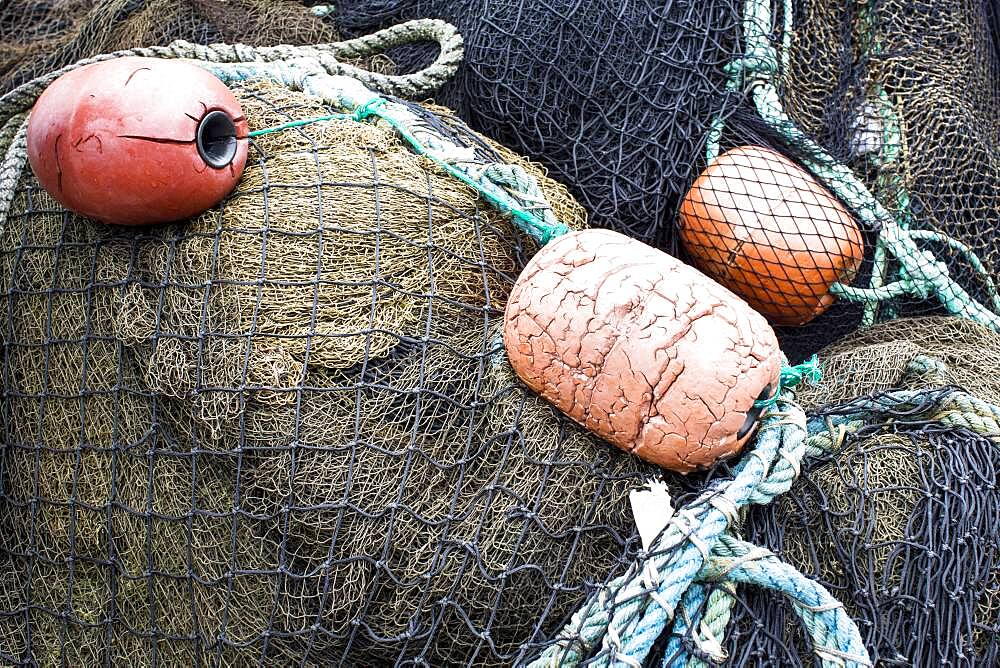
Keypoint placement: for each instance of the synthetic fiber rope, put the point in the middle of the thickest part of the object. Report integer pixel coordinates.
(620, 624)
(921, 274)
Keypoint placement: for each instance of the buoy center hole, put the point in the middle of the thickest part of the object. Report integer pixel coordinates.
(216, 139)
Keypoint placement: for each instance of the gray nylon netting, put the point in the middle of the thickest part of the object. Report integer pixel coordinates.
(617, 98)
(285, 432)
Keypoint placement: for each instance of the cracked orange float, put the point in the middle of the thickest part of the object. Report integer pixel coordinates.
(641, 349)
(136, 141)
(767, 230)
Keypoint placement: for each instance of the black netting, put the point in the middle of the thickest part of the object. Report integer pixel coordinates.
(618, 98)
(898, 523)
(901, 528)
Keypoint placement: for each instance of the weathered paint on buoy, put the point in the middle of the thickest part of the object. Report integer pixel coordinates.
(135, 141)
(643, 350)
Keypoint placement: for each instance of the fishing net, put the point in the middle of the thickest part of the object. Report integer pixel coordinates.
(900, 523)
(285, 431)
(38, 36)
(628, 102)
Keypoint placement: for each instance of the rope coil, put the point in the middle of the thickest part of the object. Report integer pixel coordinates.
(621, 622)
(329, 56)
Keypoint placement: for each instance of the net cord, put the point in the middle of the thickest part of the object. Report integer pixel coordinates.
(921, 275)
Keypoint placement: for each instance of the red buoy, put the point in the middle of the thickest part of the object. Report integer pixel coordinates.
(135, 141)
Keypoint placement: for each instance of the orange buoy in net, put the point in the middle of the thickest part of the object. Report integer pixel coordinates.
(767, 230)
(134, 141)
(641, 349)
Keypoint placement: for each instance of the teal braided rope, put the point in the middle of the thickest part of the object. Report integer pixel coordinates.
(687, 619)
(706, 627)
(14, 144)
(619, 623)
(791, 376)
(836, 639)
(629, 614)
(921, 274)
(889, 180)
(329, 57)
(713, 625)
(511, 189)
(754, 484)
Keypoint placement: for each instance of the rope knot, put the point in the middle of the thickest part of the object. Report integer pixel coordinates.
(369, 108)
(792, 376)
(759, 64)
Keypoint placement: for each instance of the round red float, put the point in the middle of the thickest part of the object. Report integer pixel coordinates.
(135, 141)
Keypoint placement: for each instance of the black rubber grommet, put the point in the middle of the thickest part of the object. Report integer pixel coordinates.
(216, 139)
(754, 413)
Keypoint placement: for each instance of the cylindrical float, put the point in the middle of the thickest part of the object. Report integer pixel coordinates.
(643, 350)
(767, 230)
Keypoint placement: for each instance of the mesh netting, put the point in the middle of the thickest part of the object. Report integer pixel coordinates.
(900, 524)
(286, 428)
(618, 99)
(38, 36)
(285, 432)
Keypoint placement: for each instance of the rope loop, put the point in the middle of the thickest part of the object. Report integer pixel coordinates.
(329, 56)
(622, 621)
(318, 70)
(920, 274)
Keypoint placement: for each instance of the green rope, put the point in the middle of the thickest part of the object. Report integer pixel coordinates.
(791, 376)
(510, 188)
(363, 112)
(920, 273)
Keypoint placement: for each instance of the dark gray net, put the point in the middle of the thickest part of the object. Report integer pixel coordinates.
(617, 97)
(900, 523)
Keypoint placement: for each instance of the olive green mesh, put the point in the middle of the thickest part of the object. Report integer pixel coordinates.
(285, 430)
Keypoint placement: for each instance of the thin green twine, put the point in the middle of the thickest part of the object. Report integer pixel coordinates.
(791, 376)
(363, 112)
(539, 229)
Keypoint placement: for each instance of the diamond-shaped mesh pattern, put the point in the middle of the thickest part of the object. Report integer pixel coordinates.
(286, 431)
(618, 98)
(766, 230)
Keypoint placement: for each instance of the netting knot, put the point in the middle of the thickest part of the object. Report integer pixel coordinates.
(792, 376)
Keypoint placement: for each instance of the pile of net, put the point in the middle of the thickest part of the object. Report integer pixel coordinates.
(285, 431)
(39, 36)
(900, 524)
(619, 98)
